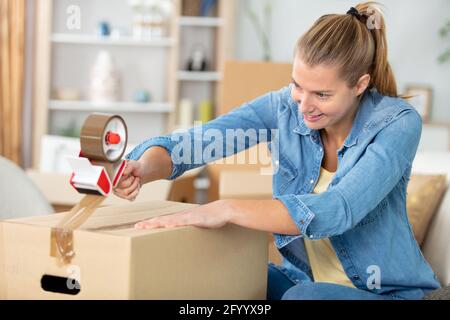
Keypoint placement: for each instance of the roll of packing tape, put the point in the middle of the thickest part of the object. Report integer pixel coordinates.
(104, 137)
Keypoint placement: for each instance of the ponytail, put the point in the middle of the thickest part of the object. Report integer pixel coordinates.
(381, 72)
(356, 42)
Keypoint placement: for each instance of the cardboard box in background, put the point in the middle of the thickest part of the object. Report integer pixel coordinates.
(62, 196)
(250, 185)
(115, 261)
(244, 81)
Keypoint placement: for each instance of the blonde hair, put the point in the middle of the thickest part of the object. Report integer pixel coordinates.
(355, 42)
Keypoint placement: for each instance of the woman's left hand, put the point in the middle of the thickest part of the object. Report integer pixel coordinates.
(212, 216)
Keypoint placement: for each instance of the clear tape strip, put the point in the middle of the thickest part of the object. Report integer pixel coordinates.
(62, 235)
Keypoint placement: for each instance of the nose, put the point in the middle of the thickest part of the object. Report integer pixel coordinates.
(305, 103)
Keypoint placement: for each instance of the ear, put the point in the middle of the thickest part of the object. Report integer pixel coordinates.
(362, 84)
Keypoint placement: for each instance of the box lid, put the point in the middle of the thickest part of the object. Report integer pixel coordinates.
(118, 220)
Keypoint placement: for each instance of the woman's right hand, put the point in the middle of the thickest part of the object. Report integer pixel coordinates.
(130, 182)
(154, 164)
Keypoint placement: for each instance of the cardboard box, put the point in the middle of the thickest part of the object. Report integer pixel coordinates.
(115, 261)
(245, 184)
(242, 82)
(249, 185)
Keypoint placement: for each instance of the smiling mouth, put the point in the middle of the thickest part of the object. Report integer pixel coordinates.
(313, 116)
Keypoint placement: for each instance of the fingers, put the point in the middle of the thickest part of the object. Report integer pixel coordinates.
(154, 223)
(126, 182)
(170, 221)
(135, 185)
(134, 194)
(130, 166)
(149, 224)
(130, 190)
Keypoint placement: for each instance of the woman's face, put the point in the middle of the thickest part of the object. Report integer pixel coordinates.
(323, 98)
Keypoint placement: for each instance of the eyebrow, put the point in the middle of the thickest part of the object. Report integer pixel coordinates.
(316, 91)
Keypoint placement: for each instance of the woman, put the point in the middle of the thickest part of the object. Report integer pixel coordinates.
(345, 142)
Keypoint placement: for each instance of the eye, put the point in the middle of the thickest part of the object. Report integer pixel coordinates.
(322, 95)
(296, 86)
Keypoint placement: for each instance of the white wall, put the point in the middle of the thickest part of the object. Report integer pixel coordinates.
(412, 30)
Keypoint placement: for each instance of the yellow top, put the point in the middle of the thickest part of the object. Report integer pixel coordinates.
(325, 264)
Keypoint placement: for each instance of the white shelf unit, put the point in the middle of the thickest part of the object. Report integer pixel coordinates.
(199, 76)
(64, 38)
(125, 107)
(214, 34)
(200, 21)
(64, 58)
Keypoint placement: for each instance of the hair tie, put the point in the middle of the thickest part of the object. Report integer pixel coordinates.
(355, 13)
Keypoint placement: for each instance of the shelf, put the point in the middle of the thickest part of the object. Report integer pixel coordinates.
(436, 124)
(199, 76)
(126, 107)
(200, 22)
(97, 40)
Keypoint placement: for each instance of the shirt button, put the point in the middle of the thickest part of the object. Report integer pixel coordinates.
(302, 221)
(311, 236)
(312, 181)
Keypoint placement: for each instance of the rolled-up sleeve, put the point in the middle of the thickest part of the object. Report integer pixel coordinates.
(165, 142)
(217, 139)
(380, 168)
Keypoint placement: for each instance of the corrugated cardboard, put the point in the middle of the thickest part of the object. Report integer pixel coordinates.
(249, 185)
(115, 261)
(245, 184)
(244, 81)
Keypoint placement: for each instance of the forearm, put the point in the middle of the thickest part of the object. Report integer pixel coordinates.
(157, 164)
(265, 215)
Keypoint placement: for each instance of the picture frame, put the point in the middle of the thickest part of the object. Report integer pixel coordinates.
(420, 97)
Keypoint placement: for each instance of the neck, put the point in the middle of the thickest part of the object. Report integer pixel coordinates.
(338, 133)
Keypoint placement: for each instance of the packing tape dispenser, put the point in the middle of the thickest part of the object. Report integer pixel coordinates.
(97, 170)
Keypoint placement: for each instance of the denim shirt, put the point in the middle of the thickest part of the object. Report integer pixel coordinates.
(363, 211)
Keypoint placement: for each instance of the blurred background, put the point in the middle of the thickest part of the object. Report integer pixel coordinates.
(166, 64)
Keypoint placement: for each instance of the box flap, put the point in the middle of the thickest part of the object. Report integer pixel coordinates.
(113, 217)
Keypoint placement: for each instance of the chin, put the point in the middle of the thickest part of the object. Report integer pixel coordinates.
(315, 125)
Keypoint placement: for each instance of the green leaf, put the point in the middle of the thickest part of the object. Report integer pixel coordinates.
(445, 30)
(445, 56)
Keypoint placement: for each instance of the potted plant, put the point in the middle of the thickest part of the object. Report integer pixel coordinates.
(263, 26)
(444, 32)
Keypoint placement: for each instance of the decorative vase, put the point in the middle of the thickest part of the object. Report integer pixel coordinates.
(105, 79)
(206, 111)
(186, 113)
(150, 18)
